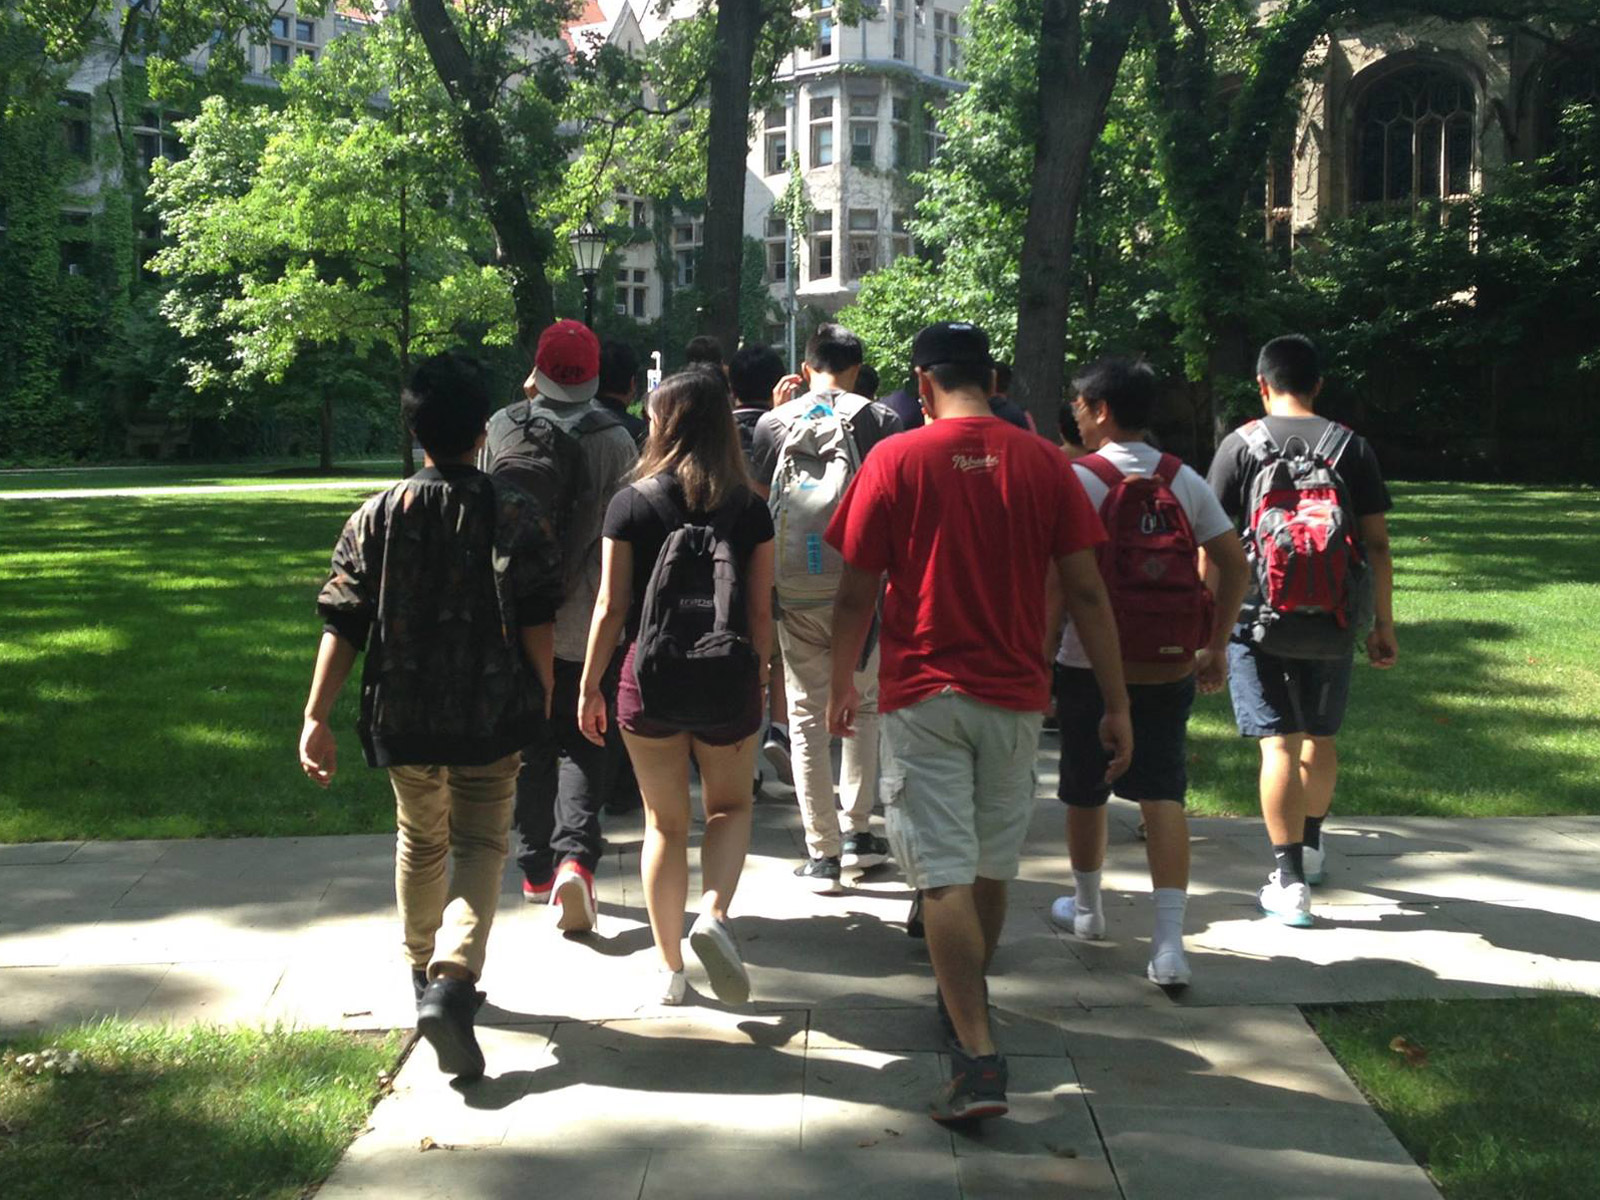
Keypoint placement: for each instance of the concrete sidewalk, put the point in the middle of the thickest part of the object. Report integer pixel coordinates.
(818, 1085)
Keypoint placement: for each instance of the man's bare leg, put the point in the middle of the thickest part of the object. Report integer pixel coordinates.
(959, 949)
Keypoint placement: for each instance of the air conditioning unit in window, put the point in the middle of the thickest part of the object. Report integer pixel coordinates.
(74, 268)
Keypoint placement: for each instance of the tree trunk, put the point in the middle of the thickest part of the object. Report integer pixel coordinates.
(520, 249)
(325, 439)
(727, 148)
(1072, 99)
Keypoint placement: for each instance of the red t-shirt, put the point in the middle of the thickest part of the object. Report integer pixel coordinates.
(966, 515)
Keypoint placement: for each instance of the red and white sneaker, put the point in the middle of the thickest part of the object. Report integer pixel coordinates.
(537, 893)
(573, 894)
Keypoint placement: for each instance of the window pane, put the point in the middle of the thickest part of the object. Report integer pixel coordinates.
(1430, 162)
(1397, 162)
(280, 54)
(280, 27)
(821, 222)
(1369, 165)
(305, 31)
(863, 218)
(822, 108)
(1458, 156)
(863, 106)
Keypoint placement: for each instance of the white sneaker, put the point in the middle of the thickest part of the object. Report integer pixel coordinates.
(714, 946)
(1316, 863)
(674, 986)
(1288, 903)
(1091, 926)
(1169, 968)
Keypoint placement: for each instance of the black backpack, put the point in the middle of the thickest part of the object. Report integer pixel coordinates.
(530, 449)
(693, 660)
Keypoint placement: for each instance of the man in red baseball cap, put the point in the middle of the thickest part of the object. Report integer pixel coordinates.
(566, 365)
(571, 454)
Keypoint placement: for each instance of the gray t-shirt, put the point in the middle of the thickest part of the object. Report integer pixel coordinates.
(608, 456)
(870, 421)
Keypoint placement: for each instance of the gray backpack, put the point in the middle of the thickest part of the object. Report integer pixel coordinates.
(816, 462)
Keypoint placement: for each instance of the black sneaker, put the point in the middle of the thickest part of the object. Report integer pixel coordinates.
(444, 1018)
(914, 917)
(864, 850)
(419, 988)
(976, 1091)
(822, 874)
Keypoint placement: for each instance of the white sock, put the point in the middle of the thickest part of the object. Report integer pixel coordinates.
(1086, 896)
(1170, 904)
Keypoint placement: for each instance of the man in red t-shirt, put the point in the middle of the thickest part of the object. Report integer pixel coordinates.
(966, 515)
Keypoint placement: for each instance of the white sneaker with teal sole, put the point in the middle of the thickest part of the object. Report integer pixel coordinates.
(1288, 903)
(1316, 863)
(1089, 925)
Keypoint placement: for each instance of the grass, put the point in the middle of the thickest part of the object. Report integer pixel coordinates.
(191, 474)
(154, 663)
(185, 1113)
(1498, 1099)
(155, 655)
(1494, 706)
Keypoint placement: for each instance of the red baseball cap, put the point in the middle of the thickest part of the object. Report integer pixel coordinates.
(566, 366)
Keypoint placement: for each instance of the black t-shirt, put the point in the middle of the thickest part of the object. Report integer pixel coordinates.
(1233, 469)
(631, 519)
(745, 419)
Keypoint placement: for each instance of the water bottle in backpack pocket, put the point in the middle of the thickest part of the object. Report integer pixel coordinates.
(1313, 588)
(693, 660)
(816, 462)
(1150, 564)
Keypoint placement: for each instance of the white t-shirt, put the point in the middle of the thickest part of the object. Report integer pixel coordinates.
(1194, 495)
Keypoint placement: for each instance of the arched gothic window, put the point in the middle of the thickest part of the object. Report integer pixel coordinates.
(1568, 83)
(1414, 135)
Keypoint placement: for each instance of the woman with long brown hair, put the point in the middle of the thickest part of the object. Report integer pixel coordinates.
(692, 473)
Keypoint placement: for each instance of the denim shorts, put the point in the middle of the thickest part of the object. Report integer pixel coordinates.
(958, 788)
(1274, 696)
(1160, 715)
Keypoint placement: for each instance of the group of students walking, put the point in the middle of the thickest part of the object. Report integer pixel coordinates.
(567, 605)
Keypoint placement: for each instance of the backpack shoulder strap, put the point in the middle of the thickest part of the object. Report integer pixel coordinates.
(1259, 439)
(1332, 444)
(595, 420)
(1100, 467)
(655, 491)
(1167, 468)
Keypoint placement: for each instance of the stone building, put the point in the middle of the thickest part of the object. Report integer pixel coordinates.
(1403, 115)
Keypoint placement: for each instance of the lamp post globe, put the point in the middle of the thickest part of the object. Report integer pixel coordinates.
(588, 251)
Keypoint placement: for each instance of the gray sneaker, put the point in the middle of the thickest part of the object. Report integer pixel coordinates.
(713, 944)
(976, 1091)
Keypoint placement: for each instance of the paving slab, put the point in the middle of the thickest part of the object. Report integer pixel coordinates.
(820, 1083)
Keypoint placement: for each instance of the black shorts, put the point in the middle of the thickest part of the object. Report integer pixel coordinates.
(1160, 712)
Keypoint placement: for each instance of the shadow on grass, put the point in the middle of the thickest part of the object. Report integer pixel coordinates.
(1456, 729)
(186, 1114)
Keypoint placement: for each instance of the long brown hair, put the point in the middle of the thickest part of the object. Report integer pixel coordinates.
(692, 434)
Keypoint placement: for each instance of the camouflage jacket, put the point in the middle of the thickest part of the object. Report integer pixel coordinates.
(435, 577)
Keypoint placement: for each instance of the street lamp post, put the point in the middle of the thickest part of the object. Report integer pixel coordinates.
(588, 250)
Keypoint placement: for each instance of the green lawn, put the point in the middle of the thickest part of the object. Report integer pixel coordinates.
(175, 474)
(188, 1114)
(1494, 706)
(1498, 1099)
(154, 663)
(155, 654)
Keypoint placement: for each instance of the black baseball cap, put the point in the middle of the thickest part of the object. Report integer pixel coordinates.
(951, 342)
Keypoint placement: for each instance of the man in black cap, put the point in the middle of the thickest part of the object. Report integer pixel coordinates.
(967, 516)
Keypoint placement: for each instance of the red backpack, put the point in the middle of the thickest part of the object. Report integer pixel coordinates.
(1150, 564)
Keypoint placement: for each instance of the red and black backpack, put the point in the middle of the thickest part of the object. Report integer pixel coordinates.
(1150, 564)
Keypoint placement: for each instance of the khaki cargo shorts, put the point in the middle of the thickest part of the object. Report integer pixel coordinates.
(958, 788)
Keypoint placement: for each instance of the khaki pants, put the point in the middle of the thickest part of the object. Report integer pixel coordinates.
(463, 813)
(806, 638)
